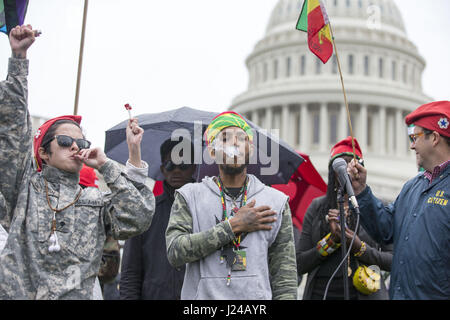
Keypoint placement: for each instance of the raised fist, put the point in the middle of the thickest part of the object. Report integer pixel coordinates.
(20, 39)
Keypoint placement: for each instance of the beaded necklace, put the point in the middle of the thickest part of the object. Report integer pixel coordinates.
(236, 241)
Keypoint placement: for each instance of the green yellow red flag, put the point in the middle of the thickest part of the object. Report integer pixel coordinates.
(314, 20)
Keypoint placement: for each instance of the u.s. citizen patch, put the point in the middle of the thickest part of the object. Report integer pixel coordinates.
(438, 199)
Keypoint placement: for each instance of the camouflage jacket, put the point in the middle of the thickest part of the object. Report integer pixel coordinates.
(27, 269)
(196, 235)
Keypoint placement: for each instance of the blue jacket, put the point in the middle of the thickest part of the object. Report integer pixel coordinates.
(418, 223)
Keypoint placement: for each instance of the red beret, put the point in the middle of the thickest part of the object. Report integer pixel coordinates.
(345, 148)
(88, 178)
(43, 130)
(433, 116)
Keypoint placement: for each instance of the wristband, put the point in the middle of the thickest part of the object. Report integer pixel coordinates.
(327, 246)
(361, 250)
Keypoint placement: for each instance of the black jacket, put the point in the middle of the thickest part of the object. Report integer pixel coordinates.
(146, 273)
(309, 259)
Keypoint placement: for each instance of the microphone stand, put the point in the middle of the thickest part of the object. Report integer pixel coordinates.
(341, 200)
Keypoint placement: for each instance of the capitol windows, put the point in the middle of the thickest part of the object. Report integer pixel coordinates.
(366, 66)
(302, 65)
(334, 65)
(350, 64)
(394, 70)
(288, 67)
(380, 68)
(318, 66)
(347, 3)
(264, 72)
(275, 69)
(405, 74)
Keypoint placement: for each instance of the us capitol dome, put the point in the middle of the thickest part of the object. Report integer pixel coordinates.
(290, 89)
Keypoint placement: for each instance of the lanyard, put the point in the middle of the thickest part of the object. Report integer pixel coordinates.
(236, 242)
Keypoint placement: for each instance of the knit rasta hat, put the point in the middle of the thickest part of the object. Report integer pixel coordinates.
(225, 120)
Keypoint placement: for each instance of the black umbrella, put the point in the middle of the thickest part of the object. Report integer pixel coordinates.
(269, 167)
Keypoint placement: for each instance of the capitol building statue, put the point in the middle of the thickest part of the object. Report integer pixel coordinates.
(290, 89)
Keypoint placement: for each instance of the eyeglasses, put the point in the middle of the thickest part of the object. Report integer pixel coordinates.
(413, 137)
(170, 166)
(67, 141)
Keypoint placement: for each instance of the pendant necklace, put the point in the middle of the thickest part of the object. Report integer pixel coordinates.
(54, 244)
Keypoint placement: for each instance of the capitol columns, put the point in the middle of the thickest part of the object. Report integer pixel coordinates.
(382, 130)
(342, 122)
(324, 127)
(285, 133)
(255, 117)
(269, 121)
(363, 122)
(400, 134)
(304, 129)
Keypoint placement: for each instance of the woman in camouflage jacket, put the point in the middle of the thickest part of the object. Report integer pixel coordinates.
(30, 267)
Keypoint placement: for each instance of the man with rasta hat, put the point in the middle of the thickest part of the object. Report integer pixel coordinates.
(418, 221)
(233, 232)
(56, 229)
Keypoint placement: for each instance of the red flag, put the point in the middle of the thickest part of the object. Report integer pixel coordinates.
(314, 20)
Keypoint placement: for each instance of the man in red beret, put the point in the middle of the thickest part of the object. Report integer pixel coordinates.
(56, 229)
(418, 221)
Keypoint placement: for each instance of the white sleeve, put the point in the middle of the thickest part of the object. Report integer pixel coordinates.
(137, 174)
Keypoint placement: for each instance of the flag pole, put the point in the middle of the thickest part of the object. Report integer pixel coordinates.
(343, 90)
(80, 58)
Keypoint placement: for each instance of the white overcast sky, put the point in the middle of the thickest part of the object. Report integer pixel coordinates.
(163, 54)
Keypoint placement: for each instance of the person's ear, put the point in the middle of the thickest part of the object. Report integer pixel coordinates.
(212, 151)
(44, 155)
(435, 138)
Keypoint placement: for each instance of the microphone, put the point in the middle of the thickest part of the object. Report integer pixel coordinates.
(340, 167)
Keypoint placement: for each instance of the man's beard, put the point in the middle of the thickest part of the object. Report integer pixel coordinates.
(231, 170)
